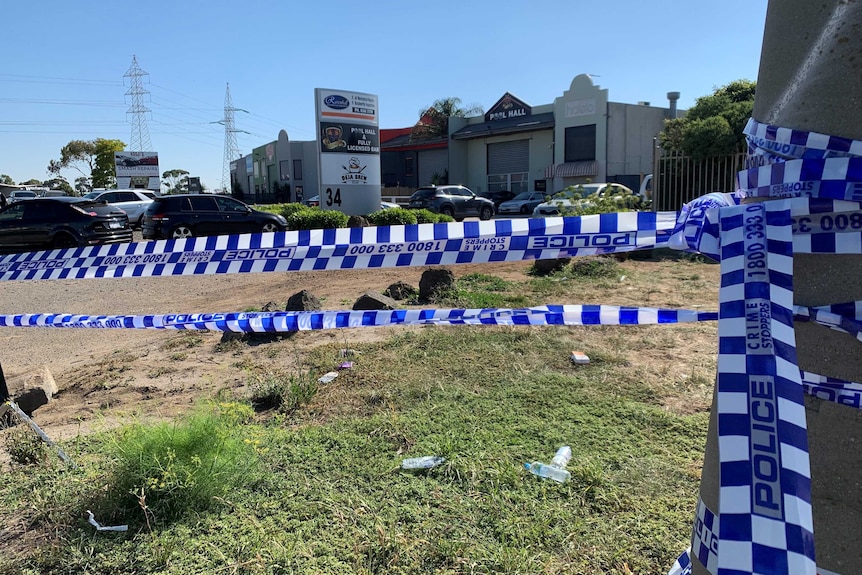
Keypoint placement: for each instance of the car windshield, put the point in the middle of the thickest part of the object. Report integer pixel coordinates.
(523, 196)
(583, 190)
(91, 195)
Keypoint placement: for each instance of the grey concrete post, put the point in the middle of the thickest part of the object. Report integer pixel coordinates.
(810, 79)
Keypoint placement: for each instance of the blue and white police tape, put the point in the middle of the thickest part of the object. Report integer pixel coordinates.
(832, 389)
(287, 321)
(352, 248)
(790, 144)
(820, 225)
(836, 178)
(765, 521)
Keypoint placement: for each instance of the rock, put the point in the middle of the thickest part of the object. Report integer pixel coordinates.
(400, 290)
(545, 267)
(374, 300)
(33, 389)
(269, 307)
(303, 301)
(358, 222)
(435, 281)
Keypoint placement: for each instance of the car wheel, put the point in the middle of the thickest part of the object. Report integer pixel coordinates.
(486, 213)
(269, 227)
(62, 241)
(182, 232)
(447, 211)
(524, 209)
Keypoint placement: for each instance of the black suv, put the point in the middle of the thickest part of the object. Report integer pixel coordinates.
(455, 201)
(191, 215)
(47, 223)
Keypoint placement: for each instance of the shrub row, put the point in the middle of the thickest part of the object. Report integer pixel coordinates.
(302, 217)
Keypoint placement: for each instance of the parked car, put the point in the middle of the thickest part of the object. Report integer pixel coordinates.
(47, 223)
(556, 206)
(523, 203)
(458, 202)
(498, 197)
(133, 202)
(191, 215)
(19, 195)
(53, 194)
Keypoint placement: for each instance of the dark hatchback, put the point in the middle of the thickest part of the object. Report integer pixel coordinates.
(65, 222)
(192, 215)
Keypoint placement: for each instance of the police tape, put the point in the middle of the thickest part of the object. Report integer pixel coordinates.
(287, 321)
(819, 225)
(352, 248)
(764, 518)
(788, 143)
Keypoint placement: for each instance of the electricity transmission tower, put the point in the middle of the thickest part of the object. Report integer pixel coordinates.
(231, 148)
(140, 141)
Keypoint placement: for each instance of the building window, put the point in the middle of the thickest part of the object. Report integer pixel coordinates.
(581, 144)
(297, 169)
(516, 183)
(408, 166)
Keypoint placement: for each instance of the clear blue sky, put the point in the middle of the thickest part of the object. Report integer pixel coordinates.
(63, 66)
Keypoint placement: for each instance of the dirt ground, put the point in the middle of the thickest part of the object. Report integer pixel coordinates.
(164, 371)
(105, 373)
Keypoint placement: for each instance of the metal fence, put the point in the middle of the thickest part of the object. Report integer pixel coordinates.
(678, 179)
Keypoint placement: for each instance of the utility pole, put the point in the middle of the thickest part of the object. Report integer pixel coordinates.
(231, 148)
(140, 140)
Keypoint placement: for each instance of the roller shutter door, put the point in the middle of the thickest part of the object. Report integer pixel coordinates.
(509, 157)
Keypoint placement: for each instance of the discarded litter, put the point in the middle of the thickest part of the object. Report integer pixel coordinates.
(327, 377)
(426, 462)
(556, 470)
(346, 365)
(100, 527)
(579, 357)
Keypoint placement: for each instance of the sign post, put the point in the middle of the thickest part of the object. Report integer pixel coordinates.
(349, 151)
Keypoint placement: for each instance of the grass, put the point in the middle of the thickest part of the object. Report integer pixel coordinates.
(316, 487)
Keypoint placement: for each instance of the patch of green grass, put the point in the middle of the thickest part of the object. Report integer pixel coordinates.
(316, 486)
(482, 291)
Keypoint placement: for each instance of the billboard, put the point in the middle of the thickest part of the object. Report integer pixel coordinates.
(138, 170)
(349, 151)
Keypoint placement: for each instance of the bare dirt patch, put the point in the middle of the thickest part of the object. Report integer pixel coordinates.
(103, 374)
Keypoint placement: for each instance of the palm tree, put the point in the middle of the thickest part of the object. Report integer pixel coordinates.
(434, 122)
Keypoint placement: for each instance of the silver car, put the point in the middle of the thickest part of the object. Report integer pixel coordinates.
(133, 202)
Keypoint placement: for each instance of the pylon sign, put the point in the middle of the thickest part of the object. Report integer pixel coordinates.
(349, 151)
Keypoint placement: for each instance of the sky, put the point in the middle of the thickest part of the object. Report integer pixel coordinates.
(62, 72)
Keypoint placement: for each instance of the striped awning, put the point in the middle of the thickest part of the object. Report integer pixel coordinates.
(576, 169)
(549, 171)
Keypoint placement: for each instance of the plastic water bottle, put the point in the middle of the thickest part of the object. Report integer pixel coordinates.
(426, 462)
(556, 470)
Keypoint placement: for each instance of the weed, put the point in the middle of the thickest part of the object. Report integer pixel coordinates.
(23, 446)
(177, 468)
(285, 392)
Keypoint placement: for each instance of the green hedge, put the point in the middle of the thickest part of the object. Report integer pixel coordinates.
(310, 218)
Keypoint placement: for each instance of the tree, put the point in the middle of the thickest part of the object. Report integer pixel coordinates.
(83, 185)
(176, 181)
(96, 157)
(434, 121)
(5, 179)
(32, 182)
(58, 183)
(713, 126)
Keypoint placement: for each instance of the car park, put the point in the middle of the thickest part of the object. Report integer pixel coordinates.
(498, 197)
(578, 197)
(191, 215)
(457, 202)
(524, 203)
(19, 195)
(47, 223)
(133, 202)
(314, 202)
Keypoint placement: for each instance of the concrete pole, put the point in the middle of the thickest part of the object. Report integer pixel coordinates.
(810, 79)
